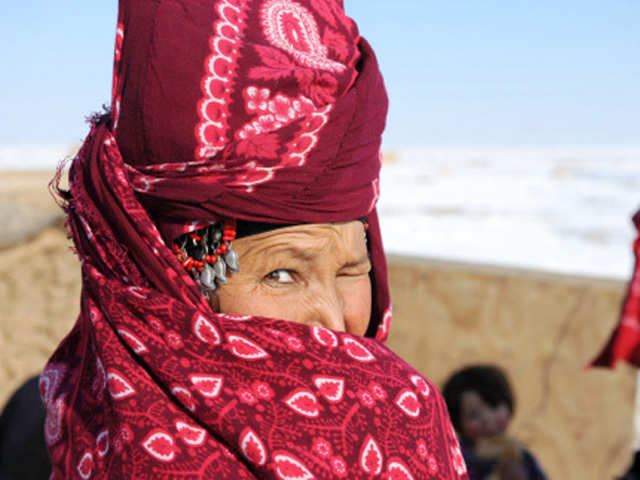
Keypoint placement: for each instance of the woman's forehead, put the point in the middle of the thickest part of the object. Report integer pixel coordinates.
(305, 241)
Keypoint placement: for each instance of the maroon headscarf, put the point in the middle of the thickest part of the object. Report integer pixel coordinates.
(268, 111)
(624, 343)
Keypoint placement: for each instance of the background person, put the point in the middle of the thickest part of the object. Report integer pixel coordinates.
(481, 404)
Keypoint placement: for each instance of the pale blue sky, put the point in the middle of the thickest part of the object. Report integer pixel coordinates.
(459, 73)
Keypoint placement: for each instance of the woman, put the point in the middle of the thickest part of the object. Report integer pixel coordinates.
(243, 135)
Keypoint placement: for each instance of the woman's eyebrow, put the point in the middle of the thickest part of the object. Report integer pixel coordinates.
(304, 254)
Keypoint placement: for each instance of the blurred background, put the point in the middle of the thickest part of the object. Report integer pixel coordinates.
(511, 170)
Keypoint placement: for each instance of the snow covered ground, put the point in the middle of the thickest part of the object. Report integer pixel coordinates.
(32, 157)
(563, 210)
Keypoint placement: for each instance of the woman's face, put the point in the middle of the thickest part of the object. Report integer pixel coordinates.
(478, 419)
(316, 274)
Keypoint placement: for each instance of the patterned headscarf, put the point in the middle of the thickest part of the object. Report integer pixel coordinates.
(624, 343)
(267, 111)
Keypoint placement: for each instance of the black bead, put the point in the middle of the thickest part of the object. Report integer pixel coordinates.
(198, 252)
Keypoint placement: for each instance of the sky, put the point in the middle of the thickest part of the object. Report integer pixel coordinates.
(517, 73)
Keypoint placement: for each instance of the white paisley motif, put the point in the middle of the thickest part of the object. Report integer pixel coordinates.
(212, 108)
(116, 93)
(383, 329)
(53, 421)
(50, 380)
(296, 156)
(375, 186)
(291, 27)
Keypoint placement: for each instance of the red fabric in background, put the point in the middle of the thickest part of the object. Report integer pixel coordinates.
(624, 343)
(150, 383)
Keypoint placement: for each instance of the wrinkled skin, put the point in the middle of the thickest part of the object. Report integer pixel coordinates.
(316, 274)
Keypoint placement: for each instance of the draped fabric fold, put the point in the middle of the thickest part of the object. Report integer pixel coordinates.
(151, 383)
(624, 343)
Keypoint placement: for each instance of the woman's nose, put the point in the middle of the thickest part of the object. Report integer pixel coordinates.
(327, 309)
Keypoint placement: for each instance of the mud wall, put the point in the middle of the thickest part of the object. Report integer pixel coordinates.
(542, 329)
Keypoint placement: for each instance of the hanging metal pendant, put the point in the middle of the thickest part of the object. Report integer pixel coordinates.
(208, 277)
(216, 237)
(231, 259)
(220, 268)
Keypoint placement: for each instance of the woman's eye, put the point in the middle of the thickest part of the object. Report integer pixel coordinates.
(354, 274)
(281, 276)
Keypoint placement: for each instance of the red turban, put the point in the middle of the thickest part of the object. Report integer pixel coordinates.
(268, 111)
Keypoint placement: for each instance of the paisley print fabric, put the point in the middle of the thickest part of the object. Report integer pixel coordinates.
(262, 107)
(150, 383)
(624, 343)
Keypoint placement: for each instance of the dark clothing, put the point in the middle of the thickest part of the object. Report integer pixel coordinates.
(23, 454)
(480, 468)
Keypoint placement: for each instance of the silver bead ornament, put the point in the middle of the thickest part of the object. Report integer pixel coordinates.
(220, 268)
(208, 277)
(231, 259)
